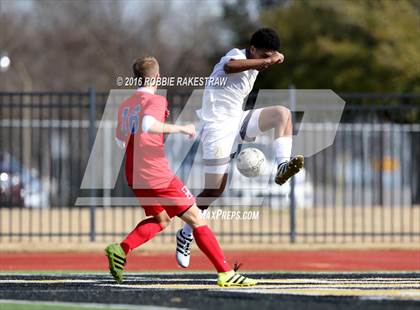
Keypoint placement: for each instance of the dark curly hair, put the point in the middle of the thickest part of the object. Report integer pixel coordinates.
(266, 38)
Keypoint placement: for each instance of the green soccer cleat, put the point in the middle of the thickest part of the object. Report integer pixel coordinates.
(116, 260)
(288, 169)
(234, 279)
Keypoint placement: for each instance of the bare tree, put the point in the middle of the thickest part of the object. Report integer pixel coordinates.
(71, 45)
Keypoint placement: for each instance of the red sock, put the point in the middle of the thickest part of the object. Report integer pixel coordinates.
(144, 231)
(207, 243)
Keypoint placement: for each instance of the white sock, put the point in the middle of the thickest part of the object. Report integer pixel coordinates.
(187, 231)
(282, 149)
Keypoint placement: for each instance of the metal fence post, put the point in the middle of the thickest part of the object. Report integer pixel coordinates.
(292, 207)
(92, 134)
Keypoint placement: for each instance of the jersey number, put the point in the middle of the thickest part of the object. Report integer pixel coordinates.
(130, 122)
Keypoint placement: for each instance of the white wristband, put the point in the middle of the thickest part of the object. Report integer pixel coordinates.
(147, 122)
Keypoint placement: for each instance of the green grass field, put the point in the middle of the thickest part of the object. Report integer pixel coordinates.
(26, 305)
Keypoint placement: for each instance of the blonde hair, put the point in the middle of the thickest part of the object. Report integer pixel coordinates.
(145, 67)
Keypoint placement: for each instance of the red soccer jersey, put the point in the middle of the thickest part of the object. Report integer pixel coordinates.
(146, 165)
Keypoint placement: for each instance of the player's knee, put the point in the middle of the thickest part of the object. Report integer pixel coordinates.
(282, 113)
(165, 223)
(163, 219)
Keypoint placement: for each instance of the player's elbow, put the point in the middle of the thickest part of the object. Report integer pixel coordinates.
(228, 68)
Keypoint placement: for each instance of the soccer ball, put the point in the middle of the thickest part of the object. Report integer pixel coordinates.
(251, 162)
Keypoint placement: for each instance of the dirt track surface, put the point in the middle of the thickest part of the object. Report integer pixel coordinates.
(344, 260)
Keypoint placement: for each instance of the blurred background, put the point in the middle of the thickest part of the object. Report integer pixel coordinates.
(59, 59)
(355, 46)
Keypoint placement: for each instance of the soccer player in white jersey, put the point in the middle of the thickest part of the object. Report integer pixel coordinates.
(223, 118)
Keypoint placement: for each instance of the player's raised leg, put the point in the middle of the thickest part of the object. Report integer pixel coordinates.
(280, 119)
(208, 244)
(144, 231)
(214, 185)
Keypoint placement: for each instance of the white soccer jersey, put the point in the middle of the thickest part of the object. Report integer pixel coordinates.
(223, 103)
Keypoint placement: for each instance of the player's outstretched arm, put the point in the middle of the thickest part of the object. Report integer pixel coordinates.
(159, 127)
(239, 65)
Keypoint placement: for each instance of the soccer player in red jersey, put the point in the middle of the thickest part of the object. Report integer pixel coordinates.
(141, 128)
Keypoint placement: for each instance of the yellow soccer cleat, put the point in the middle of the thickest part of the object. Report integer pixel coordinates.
(234, 279)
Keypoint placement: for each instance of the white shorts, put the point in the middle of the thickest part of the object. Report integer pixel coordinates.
(220, 140)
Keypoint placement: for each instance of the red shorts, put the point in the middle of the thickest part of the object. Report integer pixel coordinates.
(175, 199)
